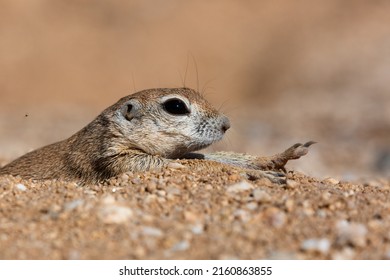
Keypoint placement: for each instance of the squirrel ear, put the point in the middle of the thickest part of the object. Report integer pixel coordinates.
(129, 110)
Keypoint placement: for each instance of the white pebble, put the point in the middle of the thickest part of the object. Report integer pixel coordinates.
(73, 204)
(252, 205)
(351, 233)
(176, 165)
(21, 187)
(161, 193)
(114, 214)
(239, 187)
(152, 231)
(108, 199)
(278, 219)
(197, 229)
(173, 191)
(180, 246)
(261, 196)
(291, 184)
(316, 245)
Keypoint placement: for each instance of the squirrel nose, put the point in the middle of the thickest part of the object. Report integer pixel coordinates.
(225, 124)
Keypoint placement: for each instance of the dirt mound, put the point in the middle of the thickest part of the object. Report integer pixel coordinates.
(183, 214)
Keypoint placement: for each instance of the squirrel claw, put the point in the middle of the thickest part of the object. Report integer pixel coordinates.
(297, 150)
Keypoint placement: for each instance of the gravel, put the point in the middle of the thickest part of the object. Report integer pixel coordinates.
(191, 214)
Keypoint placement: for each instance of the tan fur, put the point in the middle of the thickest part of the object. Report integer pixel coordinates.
(138, 134)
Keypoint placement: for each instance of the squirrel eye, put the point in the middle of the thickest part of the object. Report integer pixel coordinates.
(176, 106)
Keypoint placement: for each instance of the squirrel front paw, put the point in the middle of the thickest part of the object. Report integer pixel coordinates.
(296, 151)
(278, 161)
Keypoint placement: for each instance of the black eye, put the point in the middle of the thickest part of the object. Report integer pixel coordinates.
(176, 106)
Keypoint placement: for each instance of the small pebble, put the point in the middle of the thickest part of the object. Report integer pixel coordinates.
(239, 187)
(112, 213)
(180, 246)
(115, 214)
(176, 165)
(190, 216)
(124, 177)
(316, 245)
(351, 234)
(291, 184)
(261, 196)
(252, 205)
(73, 255)
(136, 181)
(173, 191)
(90, 192)
(197, 229)
(289, 205)
(275, 217)
(150, 198)
(331, 181)
(345, 254)
(241, 214)
(151, 187)
(161, 193)
(326, 196)
(152, 231)
(375, 224)
(140, 252)
(282, 255)
(73, 204)
(109, 199)
(234, 177)
(21, 187)
(321, 213)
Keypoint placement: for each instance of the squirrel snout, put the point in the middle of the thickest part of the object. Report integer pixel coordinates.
(225, 124)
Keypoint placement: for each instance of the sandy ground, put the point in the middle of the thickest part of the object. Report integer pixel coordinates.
(183, 214)
(283, 72)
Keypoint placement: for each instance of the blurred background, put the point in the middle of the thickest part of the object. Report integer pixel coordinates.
(283, 71)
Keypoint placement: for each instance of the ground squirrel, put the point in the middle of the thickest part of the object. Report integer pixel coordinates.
(147, 130)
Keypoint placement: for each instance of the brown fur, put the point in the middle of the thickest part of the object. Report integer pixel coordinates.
(138, 134)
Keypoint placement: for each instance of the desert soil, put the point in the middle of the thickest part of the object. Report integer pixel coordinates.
(190, 214)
